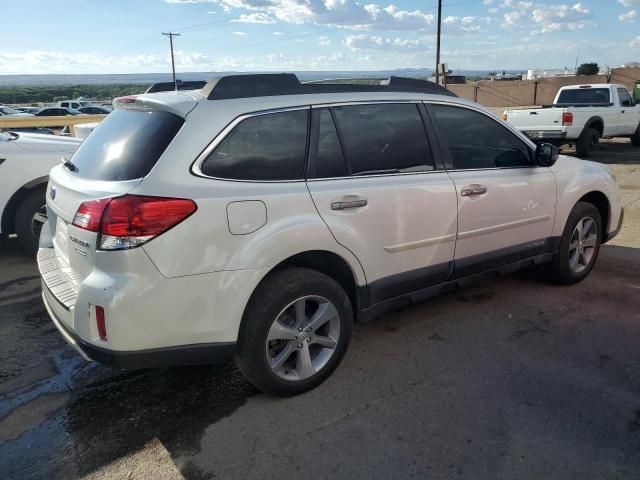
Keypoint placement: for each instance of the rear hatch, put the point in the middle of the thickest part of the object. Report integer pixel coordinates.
(534, 121)
(111, 162)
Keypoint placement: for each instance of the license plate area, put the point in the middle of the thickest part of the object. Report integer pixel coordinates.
(61, 239)
(534, 134)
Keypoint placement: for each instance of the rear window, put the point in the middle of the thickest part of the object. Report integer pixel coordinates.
(126, 145)
(585, 95)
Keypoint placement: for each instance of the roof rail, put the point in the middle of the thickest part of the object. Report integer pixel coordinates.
(169, 86)
(270, 84)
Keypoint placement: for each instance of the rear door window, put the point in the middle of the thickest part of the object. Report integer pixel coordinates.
(384, 138)
(126, 145)
(270, 146)
(326, 159)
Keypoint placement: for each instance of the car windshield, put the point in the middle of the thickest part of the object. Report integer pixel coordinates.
(8, 111)
(585, 95)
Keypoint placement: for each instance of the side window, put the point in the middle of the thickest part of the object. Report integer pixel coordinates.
(326, 159)
(625, 98)
(264, 147)
(64, 104)
(477, 141)
(384, 138)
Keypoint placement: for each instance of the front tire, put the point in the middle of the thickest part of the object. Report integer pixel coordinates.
(30, 217)
(587, 143)
(579, 245)
(295, 331)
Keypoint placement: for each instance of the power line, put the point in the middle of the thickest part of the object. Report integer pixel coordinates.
(173, 65)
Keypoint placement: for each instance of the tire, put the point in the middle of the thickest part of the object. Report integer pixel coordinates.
(635, 138)
(278, 366)
(28, 220)
(587, 143)
(563, 268)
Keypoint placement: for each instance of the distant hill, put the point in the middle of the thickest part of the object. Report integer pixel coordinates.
(149, 78)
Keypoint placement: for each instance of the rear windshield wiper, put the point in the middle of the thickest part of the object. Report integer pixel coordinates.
(69, 164)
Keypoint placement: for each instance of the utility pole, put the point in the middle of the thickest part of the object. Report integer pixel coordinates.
(173, 65)
(438, 42)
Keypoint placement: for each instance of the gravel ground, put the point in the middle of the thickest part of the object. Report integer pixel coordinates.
(510, 379)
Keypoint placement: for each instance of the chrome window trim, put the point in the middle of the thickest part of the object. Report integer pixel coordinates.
(373, 175)
(363, 102)
(196, 166)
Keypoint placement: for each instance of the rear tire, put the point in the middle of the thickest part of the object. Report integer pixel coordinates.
(30, 217)
(635, 138)
(295, 331)
(587, 143)
(579, 245)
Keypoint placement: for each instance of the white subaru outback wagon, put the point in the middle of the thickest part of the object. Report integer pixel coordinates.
(260, 217)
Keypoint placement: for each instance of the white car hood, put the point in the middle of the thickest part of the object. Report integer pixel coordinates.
(38, 142)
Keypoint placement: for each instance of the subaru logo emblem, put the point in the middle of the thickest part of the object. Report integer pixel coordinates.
(52, 192)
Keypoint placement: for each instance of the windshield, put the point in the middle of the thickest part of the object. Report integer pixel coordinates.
(8, 111)
(585, 95)
(126, 145)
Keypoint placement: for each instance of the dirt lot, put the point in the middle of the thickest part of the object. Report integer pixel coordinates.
(515, 379)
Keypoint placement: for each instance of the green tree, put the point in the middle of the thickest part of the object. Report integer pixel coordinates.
(60, 98)
(588, 69)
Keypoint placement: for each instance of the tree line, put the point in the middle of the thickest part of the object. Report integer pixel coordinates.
(56, 93)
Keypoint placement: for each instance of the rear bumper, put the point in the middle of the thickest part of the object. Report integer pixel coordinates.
(206, 353)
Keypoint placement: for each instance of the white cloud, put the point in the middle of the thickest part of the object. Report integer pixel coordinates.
(630, 16)
(323, 41)
(635, 42)
(629, 3)
(376, 42)
(190, 1)
(545, 17)
(240, 34)
(258, 17)
(277, 33)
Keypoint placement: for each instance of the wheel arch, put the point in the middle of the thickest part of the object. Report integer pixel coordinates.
(601, 202)
(596, 123)
(9, 213)
(329, 263)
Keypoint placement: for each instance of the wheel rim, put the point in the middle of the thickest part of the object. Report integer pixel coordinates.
(38, 220)
(303, 338)
(582, 247)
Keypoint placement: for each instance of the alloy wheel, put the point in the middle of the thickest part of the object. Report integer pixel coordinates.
(582, 247)
(303, 338)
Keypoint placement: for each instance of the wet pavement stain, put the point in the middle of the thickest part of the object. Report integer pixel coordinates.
(481, 297)
(75, 416)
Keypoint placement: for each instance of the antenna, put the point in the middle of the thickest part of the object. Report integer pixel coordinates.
(173, 65)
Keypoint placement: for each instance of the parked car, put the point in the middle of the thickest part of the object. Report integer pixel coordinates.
(25, 161)
(581, 114)
(260, 217)
(74, 104)
(57, 112)
(32, 110)
(95, 110)
(4, 110)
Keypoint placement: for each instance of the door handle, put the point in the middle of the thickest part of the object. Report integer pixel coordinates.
(349, 202)
(622, 111)
(472, 190)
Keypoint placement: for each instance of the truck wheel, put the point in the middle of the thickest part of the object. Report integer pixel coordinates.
(635, 138)
(294, 332)
(29, 219)
(579, 245)
(587, 142)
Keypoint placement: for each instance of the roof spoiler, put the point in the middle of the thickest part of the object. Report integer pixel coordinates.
(170, 86)
(270, 84)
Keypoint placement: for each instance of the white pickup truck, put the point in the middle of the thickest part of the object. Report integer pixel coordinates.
(581, 114)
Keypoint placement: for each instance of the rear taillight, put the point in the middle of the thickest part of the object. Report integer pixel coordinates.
(89, 214)
(567, 119)
(131, 220)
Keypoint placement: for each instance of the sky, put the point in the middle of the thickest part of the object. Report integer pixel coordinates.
(125, 36)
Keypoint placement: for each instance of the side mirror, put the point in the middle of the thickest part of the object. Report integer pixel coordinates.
(546, 154)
